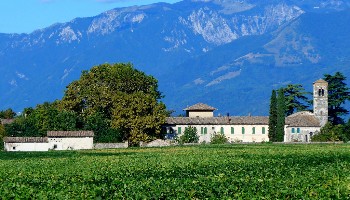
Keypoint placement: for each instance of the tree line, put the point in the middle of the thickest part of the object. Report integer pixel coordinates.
(293, 98)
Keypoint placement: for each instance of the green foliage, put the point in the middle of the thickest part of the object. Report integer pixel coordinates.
(190, 135)
(331, 133)
(126, 97)
(195, 172)
(218, 139)
(102, 129)
(273, 117)
(280, 115)
(295, 99)
(45, 117)
(7, 114)
(338, 95)
(2, 135)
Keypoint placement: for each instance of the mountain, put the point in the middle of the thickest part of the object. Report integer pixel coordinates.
(227, 53)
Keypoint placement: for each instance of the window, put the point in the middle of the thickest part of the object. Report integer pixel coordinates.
(263, 130)
(202, 130)
(232, 130)
(293, 130)
(179, 130)
(298, 130)
(319, 92)
(322, 92)
(243, 130)
(55, 146)
(205, 130)
(253, 130)
(14, 148)
(222, 130)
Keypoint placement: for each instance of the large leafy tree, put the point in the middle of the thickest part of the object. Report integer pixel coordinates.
(280, 115)
(338, 94)
(273, 117)
(295, 99)
(122, 94)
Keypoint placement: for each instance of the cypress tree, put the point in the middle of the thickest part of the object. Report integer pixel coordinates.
(273, 117)
(280, 115)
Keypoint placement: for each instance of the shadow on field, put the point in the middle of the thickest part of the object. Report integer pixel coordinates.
(103, 154)
(35, 155)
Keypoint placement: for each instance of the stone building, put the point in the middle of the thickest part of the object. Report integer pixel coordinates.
(301, 126)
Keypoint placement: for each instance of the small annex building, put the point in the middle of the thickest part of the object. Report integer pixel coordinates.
(55, 140)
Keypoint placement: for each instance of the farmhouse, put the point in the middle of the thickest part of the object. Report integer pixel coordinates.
(55, 140)
(299, 127)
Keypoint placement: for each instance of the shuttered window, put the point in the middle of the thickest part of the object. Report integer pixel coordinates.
(243, 130)
(179, 130)
(263, 130)
(232, 130)
(253, 130)
(222, 130)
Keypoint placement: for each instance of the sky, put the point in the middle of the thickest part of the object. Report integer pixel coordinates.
(25, 16)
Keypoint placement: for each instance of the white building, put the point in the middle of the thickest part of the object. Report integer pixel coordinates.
(70, 140)
(236, 129)
(55, 140)
(26, 144)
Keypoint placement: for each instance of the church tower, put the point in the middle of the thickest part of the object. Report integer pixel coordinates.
(320, 95)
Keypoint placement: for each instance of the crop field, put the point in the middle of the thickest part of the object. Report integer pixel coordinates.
(261, 171)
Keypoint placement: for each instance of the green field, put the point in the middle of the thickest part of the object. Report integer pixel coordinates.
(262, 171)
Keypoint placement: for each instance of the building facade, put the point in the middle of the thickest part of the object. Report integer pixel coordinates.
(299, 127)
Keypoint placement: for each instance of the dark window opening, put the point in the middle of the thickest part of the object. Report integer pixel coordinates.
(322, 92)
(55, 146)
(319, 92)
(14, 148)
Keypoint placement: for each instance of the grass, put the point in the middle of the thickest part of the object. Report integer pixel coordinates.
(184, 172)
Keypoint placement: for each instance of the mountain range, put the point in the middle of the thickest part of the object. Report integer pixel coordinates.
(229, 54)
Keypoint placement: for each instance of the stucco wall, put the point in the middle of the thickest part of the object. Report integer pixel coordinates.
(70, 143)
(200, 114)
(26, 146)
(237, 136)
(299, 137)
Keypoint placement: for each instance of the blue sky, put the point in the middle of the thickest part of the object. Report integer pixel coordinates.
(25, 16)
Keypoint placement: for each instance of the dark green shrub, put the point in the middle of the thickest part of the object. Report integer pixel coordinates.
(190, 135)
(218, 139)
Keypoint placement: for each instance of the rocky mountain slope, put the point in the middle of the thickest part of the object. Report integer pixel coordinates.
(227, 53)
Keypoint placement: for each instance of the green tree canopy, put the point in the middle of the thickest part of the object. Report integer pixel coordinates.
(127, 97)
(295, 99)
(7, 114)
(338, 94)
(96, 88)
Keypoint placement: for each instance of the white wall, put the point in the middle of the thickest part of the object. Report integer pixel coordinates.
(299, 137)
(201, 114)
(237, 136)
(26, 146)
(71, 143)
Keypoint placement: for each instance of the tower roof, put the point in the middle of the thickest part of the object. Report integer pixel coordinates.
(201, 107)
(320, 81)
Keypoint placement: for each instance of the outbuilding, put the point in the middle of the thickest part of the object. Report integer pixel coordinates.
(26, 144)
(70, 140)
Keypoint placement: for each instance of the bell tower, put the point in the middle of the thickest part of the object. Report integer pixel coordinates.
(320, 95)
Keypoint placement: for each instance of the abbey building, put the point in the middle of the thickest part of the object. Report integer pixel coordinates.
(299, 127)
